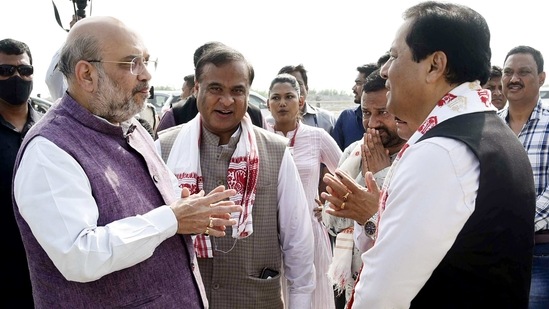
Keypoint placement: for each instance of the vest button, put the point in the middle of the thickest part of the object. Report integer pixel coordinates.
(220, 182)
(156, 178)
(215, 286)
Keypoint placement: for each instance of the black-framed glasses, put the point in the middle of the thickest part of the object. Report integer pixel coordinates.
(137, 64)
(8, 70)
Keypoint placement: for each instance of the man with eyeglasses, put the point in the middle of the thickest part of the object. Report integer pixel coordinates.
(57, 85)
(97, 208)
(16, 118)
(528, 117)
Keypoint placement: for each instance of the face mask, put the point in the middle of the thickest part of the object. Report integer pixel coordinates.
(15, 90)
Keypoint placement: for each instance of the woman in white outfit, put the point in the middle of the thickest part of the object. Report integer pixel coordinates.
(310, 147)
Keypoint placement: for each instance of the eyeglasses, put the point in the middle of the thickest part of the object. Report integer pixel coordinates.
(8, 70)
(137, 64)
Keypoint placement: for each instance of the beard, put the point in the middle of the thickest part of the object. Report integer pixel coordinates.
(357, 98)
(113, 103)
(389, 139)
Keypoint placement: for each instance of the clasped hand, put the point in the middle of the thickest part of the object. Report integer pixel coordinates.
(374, 155)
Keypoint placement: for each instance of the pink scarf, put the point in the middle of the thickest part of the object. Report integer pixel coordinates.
(241, 175)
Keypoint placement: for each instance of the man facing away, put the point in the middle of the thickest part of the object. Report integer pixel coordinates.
(274, 232)
(456, 210)
(16, 118)
(528, 117)
(96, 206)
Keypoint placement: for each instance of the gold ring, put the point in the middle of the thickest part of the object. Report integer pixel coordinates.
(207, 231)
(342, 205)
(211, 223)
(346, 196)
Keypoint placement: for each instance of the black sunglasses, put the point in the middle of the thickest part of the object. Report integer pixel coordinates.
(8, 70)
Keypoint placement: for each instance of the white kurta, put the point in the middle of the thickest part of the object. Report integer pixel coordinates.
(313, 146)
(431, 193)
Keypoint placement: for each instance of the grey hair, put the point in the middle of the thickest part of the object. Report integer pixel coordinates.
(81, 48)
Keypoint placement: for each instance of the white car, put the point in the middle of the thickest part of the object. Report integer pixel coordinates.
(161, 98)
(261, 102)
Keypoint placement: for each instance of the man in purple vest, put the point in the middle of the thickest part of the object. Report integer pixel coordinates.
(99, 216)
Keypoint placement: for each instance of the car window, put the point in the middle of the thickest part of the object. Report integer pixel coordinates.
(40, 105)
(258, 101)
(158, 100)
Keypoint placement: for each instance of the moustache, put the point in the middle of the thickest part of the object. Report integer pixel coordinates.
(515, 84)
(141, 87)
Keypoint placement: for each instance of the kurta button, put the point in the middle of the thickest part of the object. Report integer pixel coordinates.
(215, 286)
(155, 178)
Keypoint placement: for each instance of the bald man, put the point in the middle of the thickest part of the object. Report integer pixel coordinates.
(97, 208)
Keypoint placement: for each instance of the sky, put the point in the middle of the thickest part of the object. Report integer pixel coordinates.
(330, 38)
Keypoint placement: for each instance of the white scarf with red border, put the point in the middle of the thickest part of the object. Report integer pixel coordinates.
(241, 175)
(467, 98)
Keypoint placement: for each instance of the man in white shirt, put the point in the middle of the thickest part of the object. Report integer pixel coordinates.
(456, 210)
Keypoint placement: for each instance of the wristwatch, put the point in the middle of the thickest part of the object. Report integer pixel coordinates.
(370, 227)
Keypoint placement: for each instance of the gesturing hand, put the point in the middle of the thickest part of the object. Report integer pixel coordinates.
(210, 214)
(349, 199)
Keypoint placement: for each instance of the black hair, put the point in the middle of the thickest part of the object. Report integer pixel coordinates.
(496, 71)
(522, 49)
(218, 56)
(286, 78)
(296, 68)
(189, 79)
(383, 59)
(458, 31)
(367, 69)
(203, 48)
(14, 47)
(374, 82)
